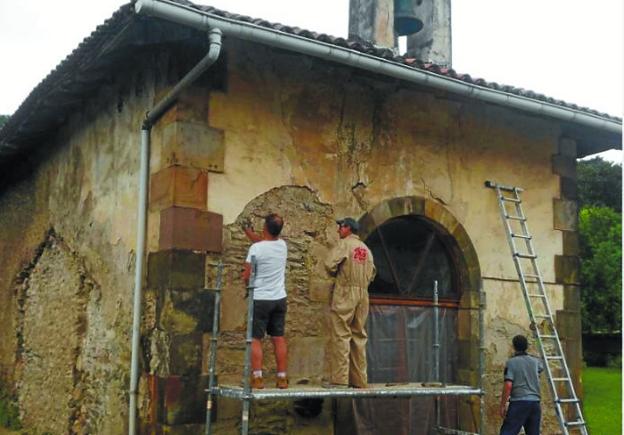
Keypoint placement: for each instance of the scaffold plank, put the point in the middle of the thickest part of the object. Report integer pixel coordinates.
(373, 390)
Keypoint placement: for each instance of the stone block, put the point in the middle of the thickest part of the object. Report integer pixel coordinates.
(380, 214)
(175, 269)
(190, 228)
(320, 289)
(564, 166)
(572, 298)
(565, 214)
(185, 311)
(179, 186)
(407, 205)
(367, 226)
(567, 269)
(306, 357)
(191, 105)
(569, 325)
(570, 241)
(193, 144)
(183, 399)
(568, 188)
(567, 147)
(186, 354)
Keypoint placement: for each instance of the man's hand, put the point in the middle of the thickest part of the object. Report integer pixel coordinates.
(503, 410)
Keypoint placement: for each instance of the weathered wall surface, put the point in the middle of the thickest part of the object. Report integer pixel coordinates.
(67, 261)
(287, 134)
(356, 142)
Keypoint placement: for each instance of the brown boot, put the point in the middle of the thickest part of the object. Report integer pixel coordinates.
(257, 383)
(281, 382)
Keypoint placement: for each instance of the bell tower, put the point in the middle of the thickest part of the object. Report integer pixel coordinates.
(426, 23)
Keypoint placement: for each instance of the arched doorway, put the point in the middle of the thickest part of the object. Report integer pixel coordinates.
(415, 242)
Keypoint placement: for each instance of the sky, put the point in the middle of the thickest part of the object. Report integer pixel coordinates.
(567, 49)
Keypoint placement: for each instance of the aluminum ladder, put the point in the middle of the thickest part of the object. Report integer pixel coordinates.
(565, 399)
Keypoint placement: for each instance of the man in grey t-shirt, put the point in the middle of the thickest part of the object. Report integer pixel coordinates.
(522, 389)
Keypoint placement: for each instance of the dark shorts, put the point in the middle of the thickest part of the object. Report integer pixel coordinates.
(269, 317)
(522, 413)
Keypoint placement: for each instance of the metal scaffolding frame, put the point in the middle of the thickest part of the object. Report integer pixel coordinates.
(246, 394)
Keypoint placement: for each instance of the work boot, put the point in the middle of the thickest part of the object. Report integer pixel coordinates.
(257, 383)
(281, 382)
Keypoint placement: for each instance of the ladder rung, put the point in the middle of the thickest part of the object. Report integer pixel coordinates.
(534, 295)
(554, 357)
(547, 336)
(520, 255)
(521, 236)
(567, 400)
(561, 379)
(542, 316)
(506, 198)
(530, 275)
(515, 218)
(575, 423)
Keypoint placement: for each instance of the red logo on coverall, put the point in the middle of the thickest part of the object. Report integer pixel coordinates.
(359, 255)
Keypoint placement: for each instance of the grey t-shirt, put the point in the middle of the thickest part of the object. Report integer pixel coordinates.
(523, 371)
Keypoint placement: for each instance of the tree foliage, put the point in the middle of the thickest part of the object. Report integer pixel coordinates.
(600, 230)
(599, 183)
(3, 119)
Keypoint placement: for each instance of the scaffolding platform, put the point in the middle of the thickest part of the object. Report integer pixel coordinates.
(373, 390)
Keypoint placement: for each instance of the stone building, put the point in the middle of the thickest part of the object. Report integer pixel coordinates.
(287, 120)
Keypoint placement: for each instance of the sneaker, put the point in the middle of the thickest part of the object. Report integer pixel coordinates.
(257, 383)
(281, 382)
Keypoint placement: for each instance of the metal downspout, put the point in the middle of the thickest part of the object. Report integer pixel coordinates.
(150, 119)
(191, 17)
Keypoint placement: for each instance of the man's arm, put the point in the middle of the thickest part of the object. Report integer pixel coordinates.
(247, 273)
(251, 235)
(505, 397)
(335, 257)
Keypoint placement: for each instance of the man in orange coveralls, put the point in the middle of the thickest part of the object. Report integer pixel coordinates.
(352, 263)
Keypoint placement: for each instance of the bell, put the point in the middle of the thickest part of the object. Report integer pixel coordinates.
(406, 22)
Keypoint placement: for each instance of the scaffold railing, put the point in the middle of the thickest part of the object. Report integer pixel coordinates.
(246, 394)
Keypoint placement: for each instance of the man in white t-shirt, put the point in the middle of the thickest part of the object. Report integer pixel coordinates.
(269, 314)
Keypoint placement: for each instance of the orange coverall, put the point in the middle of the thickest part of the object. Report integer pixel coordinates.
(352, 263)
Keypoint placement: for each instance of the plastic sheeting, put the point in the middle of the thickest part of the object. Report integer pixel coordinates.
(400, 349)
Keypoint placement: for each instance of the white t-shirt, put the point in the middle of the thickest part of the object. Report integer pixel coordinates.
(271, 267)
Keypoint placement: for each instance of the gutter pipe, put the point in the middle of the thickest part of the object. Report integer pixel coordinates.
(150, 119)
(191, 17)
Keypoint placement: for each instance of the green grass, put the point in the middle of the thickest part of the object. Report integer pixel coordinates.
(603, 400)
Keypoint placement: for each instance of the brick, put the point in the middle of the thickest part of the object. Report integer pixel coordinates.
(175, 269)
(565, 214)
(564, 166)
(568, 188)
(567, 268)
(570, 241)
(192, 229)
(179, 186)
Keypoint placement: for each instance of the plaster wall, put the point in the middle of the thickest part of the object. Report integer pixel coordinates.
(68, 232)
(355, 142)
(339, 141)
